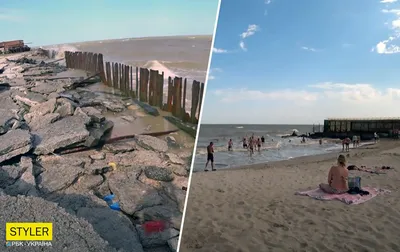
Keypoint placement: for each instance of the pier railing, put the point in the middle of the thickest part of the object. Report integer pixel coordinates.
(145, 85)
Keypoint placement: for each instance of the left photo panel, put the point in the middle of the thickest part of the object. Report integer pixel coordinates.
(100, 102)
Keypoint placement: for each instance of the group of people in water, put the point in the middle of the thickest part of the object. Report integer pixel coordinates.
(250, 144)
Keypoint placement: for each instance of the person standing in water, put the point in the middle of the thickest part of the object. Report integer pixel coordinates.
(251, 147)
(244, 143)
(258, 144)
(262, 140)
(210, 156)
(376, 137)
(230, 145)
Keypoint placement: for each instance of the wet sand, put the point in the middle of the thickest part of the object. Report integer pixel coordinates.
(254, 208)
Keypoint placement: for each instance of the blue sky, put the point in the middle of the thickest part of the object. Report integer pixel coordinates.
(299, 62)
(46, 22)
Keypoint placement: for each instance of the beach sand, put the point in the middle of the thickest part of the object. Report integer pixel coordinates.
(255, 208)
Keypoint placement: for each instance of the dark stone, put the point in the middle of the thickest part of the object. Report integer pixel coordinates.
(158, 173)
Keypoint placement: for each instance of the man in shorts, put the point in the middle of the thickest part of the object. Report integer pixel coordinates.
(230, 145)
(244, 143)
(210, 156)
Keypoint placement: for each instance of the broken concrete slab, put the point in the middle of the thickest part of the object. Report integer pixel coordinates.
(37, 122)
(179, 170)
(133, 195)
(152, 143)
(158, 173)
(94, 113)
(65, 107)
(44, 88)
(174, 193)
(59, 172)
(62, 133)
(168, 213)
(26, 184)
(113, 106)
(69, 234)
(121, 146)
(97, 132)
(175, 159)
(14, 143)
(98, 156)
(156, 239)
(113, 227)
(7, 118)
(139, 158)
(9, 174)
(173, 244)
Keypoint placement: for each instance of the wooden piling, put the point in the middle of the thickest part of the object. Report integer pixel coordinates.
(137, 83)
(132, 93)
(184, 97)
(101, 69)
(195, 100)
(160, 90)
(177, 99)
(170, 94)
(200, 99)
(144, 80)
(127, 81)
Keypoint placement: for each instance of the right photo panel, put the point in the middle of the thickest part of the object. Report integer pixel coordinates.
(298, 148)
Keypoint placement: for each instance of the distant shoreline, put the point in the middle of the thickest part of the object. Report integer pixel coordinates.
(203, 36)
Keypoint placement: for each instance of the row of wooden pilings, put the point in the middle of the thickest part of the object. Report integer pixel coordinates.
(144, 84)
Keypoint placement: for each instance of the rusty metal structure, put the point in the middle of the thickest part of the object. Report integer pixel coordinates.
(14, 46)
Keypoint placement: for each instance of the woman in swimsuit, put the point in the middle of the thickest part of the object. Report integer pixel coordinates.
(244, 143)
(337, 178)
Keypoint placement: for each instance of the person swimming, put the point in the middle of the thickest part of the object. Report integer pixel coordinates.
(337, 178)
(230, 145)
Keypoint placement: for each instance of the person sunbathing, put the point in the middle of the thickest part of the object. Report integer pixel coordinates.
(337, 178)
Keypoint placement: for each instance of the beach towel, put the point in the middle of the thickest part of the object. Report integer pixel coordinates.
(350, 199)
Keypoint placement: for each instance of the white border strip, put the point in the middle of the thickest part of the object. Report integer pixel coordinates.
(198, 126)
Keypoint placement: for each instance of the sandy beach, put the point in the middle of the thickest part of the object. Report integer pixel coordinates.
(255, 208)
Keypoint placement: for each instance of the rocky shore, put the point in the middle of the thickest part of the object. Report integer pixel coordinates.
(42, 113)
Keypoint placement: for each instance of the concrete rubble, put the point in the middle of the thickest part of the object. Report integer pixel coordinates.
(41, 117)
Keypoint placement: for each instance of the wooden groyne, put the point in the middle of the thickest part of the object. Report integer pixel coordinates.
(150, 88)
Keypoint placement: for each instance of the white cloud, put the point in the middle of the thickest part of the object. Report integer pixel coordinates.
(219, 50)
(389, 46)
(309, 49)
(240, 95)
(242, 46)
(212, 71)
(310, 104)
(251, 30)
(388, 1)
(268, 1)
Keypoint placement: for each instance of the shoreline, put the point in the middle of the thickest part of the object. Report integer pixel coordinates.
(254, 207)
(316, 157)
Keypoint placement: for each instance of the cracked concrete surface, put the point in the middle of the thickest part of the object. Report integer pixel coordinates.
(41, 117)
